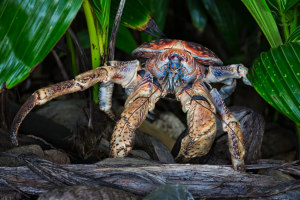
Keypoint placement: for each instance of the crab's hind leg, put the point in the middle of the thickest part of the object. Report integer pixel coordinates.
(201, 122)
(124, 74)
(141, 100)
(232, 127)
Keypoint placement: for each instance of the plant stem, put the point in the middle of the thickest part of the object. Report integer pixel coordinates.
(294, 23)
(72, 51)
(95, 49)
(286, 32)
(283, 21)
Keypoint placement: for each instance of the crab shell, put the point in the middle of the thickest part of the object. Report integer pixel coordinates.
(202, 54)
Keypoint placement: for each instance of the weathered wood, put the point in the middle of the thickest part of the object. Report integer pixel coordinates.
(141, 178)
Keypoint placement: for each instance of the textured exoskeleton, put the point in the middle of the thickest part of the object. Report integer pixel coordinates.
(172, 66)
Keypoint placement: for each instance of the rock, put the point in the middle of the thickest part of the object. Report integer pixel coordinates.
(56, 156)
(139, 154)
(69, 113)
(154, 147)
(170, 124)
(10, 195)
(86, 192)
(278, 140)
(52, 155)
(13, 162)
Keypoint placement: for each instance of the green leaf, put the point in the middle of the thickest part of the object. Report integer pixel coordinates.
(97, 17)
(197, 13)
(28, 31)
(276, 77)
(295, 36)
(135, 15)
(290, 4)
(158, 10)
(227, 19)
(283, 17)
(125, 40)
(263, 16)
(101, 9)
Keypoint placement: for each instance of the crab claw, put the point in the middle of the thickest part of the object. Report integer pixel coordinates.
(246, 81)
(243, 71)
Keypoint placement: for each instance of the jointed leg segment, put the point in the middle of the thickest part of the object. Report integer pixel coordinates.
(121, 72)
(233, 129)
(227, 89)
(41, 96)
(137, 106)
(226, 75)
(201, 122)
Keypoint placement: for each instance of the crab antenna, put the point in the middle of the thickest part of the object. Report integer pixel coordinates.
(114, 32)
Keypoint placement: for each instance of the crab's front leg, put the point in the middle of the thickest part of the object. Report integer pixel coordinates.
(232, 127)
(226, 75)
(201, 121)
(141, 100)
(123, 73)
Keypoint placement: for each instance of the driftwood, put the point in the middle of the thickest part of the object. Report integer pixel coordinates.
(142, 177)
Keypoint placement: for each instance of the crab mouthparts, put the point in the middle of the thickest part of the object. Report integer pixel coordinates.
(173, 81)
(173, 71)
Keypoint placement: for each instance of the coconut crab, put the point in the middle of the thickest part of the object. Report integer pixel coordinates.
(182, 68)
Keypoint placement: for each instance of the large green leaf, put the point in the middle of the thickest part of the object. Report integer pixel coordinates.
(284, 17)
(101, 9)
(158, 10)
(198, 14)
(228, 20)
(263, 16)
(125, 40)
(295, 36)
(290, 3)
(276, 77)
(28, 31)
(135, 15)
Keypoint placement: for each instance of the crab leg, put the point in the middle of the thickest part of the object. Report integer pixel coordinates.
(105, 98)
(227, 89)
(201, 122)
(221, 73)
(141, 100)
(124, 73)
(232, 127)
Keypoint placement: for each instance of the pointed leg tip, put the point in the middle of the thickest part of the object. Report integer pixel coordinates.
(247, 82)
(14, 140)
(239, 165)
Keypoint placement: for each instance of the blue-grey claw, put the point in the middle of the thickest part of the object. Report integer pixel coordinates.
(246, 81)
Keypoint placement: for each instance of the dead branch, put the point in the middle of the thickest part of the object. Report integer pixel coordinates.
(141, 178)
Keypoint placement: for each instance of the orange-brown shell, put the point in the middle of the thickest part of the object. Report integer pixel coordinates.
(202, 54)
